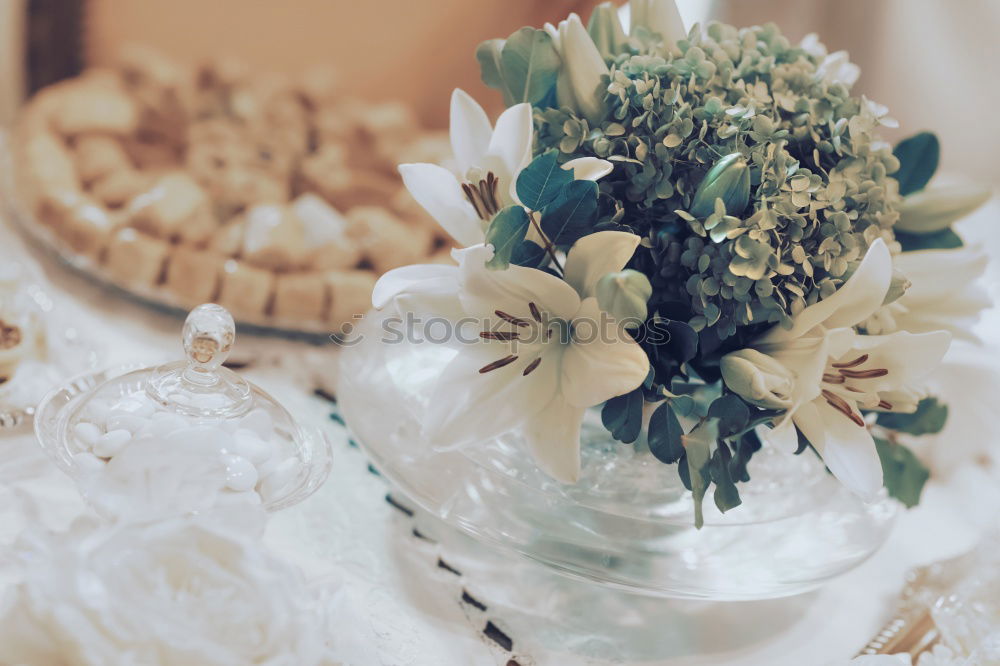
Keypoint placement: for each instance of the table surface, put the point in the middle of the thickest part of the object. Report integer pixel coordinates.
(407, 592)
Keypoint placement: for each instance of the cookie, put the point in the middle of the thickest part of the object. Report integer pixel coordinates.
(325, 233)
(350, 297)
(133, 258)
(192, 276)
(91, 106)
(176, 209)
(300, 297)
(245, 290)
(386, 241)
(98, 155)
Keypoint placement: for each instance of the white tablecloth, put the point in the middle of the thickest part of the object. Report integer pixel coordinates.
(407, 600)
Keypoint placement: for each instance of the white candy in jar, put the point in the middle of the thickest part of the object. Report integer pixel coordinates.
(112, 442)
(241, 475)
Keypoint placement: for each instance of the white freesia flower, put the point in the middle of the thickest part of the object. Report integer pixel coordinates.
(545, 351)
(173, 593)
(944, 294)
(488, 160)
(834, 67)
(837, 372)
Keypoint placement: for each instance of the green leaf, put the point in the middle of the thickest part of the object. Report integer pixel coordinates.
(491, 68)
(732, 413)
(542, 180)
(530, 65)
(505, 233)
(747, 445)
(918, 160)
(622, 416)
(698, 449)
(946, 239)
(903, 474)
(726, 495)
(528, 253)
(664, 435)
(929, 418)
(572, 214)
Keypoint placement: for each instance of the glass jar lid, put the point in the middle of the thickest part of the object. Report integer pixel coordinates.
(184, 436)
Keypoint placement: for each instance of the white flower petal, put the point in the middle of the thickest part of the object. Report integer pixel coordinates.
(909, 357)
(553, 437)
(783, 436)
(470, 406)
(659, 16)
(589, 168)
(410, 278)
(509, 150)
(595, 255)
(586, 68)
(470, 131)
(439, 192)
(602, 361)
(485, 291)
(850, 453)
(808, 419)
(856, 300)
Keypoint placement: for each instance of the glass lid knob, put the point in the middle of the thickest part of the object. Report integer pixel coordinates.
(199, 385)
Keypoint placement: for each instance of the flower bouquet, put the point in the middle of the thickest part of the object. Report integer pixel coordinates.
(700, 234)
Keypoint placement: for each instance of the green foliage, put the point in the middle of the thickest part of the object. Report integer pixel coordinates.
(571, 214)
(528, 253)
(524, 67)
(918, 160)
(729, 180)
(540, 182)
(903, 474)
(720, 470)
(622, 416)
(945, 239)
(505, 233)
(929, 418)
(664, 435)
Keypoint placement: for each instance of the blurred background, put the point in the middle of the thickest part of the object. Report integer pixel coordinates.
(933, 63)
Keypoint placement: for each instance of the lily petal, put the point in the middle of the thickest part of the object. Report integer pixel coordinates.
(856, 300)
(589, 168)
(908, 357)
(484, 291)
(850, 454)
(470, 131)
(603, 360)
(509, 149)
(468, 405)
(595, 255)
(410, 278)
(659, 16)
(438, 191)
(553, 437)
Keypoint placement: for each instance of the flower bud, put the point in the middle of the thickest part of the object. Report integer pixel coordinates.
(728, 180)
(897, 287)
(758, 378)
(936, 208)
(606, 30)
(623, 295)
(660, 17)
(582, 82)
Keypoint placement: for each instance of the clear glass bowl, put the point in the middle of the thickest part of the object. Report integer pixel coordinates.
(628, 522)
(182, 437)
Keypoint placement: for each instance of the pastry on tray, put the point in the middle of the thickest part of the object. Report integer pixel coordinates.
(277, 197)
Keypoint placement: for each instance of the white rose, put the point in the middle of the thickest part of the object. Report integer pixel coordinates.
(174, 593)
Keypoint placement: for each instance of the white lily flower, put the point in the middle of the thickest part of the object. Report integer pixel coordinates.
(583, 77)
(838, 372)
(544, 352)
(488, 161)
(944, 294)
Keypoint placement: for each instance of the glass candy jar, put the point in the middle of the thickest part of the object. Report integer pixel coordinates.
(182, 437)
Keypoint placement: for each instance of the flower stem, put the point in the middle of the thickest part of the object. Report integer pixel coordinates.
(548, 244)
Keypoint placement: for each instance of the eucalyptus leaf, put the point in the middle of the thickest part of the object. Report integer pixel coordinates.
(505, 233)
(698, 449)
(928, 419)
(665, 435)
(572, 214)
(541, 181)
(946, 239)
(903, 474)
(528, 253)
(491, 68)
(530, 65)
(732, 413)
(622, 416)
(918, 160)
(726, 495)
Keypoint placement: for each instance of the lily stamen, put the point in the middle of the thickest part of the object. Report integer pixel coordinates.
(483, 196)
(531, 366)
(511, 319)
(852, 364)
(495, 365)
(535, 314)
(473, 196)
(885, 404)
(505, 336)
(834, 379)
(841, 406)
(865, 374)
